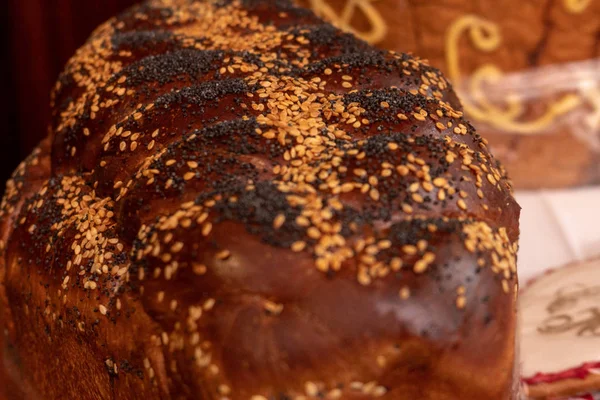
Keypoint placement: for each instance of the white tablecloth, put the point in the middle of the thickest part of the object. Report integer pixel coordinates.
(557, 227)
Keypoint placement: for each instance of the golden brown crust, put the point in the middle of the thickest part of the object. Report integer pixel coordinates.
(243, 202)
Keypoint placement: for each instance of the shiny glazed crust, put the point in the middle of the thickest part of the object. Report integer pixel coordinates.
(238, 201)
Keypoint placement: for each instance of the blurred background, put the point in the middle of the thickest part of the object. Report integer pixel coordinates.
(37, 37)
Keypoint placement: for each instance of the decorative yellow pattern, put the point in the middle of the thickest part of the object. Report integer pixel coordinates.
(576, 6)
(378, 27)
(593, 96)
(486, 36)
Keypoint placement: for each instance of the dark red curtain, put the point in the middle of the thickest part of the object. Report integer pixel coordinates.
(37, 38)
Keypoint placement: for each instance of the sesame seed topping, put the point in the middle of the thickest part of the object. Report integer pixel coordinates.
(298, 246)
(404, 293)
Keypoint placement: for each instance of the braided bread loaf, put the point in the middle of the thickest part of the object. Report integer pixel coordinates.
(239, 201)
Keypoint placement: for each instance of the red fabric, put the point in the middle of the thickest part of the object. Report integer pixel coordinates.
(579, 372)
